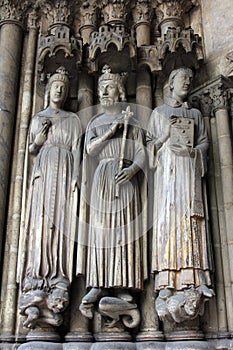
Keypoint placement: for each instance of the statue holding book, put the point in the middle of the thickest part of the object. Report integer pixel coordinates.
(181, 256)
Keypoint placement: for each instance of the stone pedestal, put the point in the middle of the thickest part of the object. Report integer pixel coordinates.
(149, 328)
(79, 325)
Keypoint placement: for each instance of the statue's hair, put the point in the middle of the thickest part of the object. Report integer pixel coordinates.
(179, 70)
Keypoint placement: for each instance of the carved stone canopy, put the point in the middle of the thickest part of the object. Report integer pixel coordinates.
(59, 40)
(108, 40)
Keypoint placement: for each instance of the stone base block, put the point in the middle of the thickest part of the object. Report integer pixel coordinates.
(5, 346)
(218, 344)
(149, 336)
(79, 337)
(39, 345)
(184, 335)
(77, 346)
(113, 337)
(114, 346)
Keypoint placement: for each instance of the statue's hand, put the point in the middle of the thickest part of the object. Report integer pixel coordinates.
(124, 175)
(182, 150)
(40, 139)
(117, 124)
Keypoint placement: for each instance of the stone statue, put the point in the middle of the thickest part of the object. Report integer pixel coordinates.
(177, 145)
(46, 256)
(112, 242)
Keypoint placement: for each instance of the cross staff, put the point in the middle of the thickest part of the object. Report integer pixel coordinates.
(128, 114)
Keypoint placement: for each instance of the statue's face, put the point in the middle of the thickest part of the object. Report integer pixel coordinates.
(57, 92)
(181, 84)
(190, 306)
(58, 301)
(108, 93)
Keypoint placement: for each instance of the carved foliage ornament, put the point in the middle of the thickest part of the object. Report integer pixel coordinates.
(174, 8)
(219, 96)
(58, 11)
(114, 10)
(142, 11)
(86, 14)
(13, 10)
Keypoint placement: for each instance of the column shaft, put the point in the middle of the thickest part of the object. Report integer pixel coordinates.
(10, 53)
(143, 90)
(225, 158)
(17, 208)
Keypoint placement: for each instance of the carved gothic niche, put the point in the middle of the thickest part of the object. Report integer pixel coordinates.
(178, 46)
(112, 45)
(149, 56)
(58, 47)
(57, 44)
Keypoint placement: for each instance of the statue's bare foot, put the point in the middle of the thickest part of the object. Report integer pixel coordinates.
(33, 314)
(207, 292)
(124, 295)
(92, 296)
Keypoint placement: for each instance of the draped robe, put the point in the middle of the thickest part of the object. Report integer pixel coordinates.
(112, 242)
(50, 224)
(181, 249)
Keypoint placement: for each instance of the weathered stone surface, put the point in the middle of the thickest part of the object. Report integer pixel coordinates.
(77, 346)
(114, 346)
(41, 346)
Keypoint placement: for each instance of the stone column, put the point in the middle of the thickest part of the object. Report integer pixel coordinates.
(215, 318)
(16, 208)
(144, 89)
(87, 20)
(10, 55)
(219, 96)
(85, 98)
(142, 14)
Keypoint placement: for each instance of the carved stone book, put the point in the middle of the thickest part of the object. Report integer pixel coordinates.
(182, 132)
